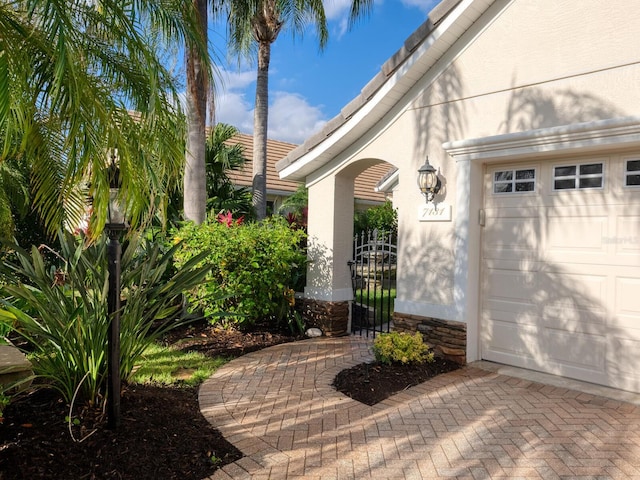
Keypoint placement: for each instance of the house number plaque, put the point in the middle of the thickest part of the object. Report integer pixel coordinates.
(434, 212)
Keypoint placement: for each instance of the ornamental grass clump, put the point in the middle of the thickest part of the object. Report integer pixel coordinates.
(60, 308)
(402, 348)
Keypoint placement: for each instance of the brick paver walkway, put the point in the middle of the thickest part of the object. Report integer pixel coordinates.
(278, 408)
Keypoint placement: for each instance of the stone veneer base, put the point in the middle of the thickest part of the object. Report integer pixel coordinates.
(330, 317)
(447, 338)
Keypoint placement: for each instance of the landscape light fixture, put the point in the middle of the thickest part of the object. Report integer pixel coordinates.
(115, 213)
(114, 226)
(428, 181)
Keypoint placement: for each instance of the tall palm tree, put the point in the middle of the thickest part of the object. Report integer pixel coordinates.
(260, 21)
(70, 73)
(195, 194)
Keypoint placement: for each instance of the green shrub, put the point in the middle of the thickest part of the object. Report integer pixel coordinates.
(403, 347)
(252, 266)
(62, 309)
(384, 218)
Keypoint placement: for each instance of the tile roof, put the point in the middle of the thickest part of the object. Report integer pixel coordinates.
(364, 187)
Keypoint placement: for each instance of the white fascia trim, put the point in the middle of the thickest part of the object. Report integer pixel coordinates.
(372, 203)
(624, 131)
(389, 184)
(280, 193)
(463, 11)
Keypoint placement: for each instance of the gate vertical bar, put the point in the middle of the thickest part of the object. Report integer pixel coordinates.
(361, 285)
(383, 262)
(373, 238)
(389, 258)
(353, 265)
(379, 279)
(365, 303)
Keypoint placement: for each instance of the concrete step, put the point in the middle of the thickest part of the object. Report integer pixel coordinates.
(14, 367)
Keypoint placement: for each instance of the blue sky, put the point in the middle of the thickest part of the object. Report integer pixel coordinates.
(307, 87)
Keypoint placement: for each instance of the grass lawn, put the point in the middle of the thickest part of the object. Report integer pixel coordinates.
(382, 300)
(163, 365)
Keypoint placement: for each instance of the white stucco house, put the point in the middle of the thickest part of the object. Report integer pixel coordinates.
(529, 254)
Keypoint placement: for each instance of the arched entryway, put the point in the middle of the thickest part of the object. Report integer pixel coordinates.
(330, 245)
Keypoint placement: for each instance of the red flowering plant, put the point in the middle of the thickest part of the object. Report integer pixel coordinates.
(291, 218)
(298, 220)
(227, 219)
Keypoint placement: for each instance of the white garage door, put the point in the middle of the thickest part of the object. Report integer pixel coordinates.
(561, 268)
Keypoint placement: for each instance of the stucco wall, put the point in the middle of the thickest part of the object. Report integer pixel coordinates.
(526, 64)
(537, 64)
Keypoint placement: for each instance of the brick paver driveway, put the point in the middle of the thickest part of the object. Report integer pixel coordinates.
(278, 408)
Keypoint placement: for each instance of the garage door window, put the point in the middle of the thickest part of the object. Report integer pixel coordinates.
(514, 181)
(633, 173)
(587, 175)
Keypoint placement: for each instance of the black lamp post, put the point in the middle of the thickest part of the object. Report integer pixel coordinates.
(114, 226)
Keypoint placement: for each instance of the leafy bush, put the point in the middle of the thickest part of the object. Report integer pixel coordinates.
(62, 309)
(402, 347)
(384, 218)
(252, 266)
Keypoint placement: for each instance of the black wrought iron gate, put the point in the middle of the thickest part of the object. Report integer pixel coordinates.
(373, 277)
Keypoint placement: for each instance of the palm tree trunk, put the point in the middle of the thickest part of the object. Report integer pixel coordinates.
(195, 187)
(260, 124)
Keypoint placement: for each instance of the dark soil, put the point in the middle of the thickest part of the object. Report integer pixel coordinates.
(371, 383)
(163, 436)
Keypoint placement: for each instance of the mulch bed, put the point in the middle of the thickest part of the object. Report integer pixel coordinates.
(370, 383)
(163, 435)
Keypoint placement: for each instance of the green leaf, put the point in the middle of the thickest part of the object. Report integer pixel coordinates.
(65, 321)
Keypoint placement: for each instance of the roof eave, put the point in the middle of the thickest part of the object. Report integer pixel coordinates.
(388, 183)
(446, 22)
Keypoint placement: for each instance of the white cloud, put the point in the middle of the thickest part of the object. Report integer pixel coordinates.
(229, 80)
(234, 109)
(291, 117)
(338, 11)
(424, 5)
(335, 9)
(231, 103)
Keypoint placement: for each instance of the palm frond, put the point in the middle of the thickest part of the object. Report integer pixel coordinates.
(70, 72)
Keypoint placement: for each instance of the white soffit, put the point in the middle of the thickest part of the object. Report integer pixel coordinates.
(388, 183)
(385, 98)
(592, 136)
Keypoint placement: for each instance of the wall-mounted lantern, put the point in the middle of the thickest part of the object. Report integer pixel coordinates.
(428, 181)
